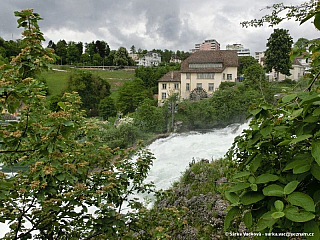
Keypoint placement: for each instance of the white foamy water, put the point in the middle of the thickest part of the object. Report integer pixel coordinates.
(174, 153)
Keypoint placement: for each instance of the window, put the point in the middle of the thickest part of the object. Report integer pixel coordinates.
(205, 75)
(164, 95)
(176, 86)
(229, 76)
(205, 65)
(224, 76)
(164, 86)
(188, 76)
(211, 87)
(199, 85)
(188, 86)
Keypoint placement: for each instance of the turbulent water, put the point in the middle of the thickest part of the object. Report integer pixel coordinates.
(174, 153)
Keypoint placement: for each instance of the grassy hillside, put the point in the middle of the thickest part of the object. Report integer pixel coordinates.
(57, 80)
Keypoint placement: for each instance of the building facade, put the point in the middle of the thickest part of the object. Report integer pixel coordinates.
(210, 44)
(241, 50)
(201, 74)
(149, 59)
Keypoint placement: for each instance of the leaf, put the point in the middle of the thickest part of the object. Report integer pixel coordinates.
(247, 219)
(62, 105)
(300, 138)
(315, 150)
(316, 21)
(232, 197)
(239, 186)
(316, 112)
(279, 205)
(273, 190)
(256, 163)
(254, 187)
(230, 216)
(290, 187)
(277, 215)
(265, 221)
(265, 178)
(312, 227)
(297, 113)
(315, 171)
(296, 163)
(296, 215)
(266, 131)
(302, 200)
(251, 197)
(289, 98)
(301, 169)
(241, 174)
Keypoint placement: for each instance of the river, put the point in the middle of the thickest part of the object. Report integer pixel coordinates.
(174, 153)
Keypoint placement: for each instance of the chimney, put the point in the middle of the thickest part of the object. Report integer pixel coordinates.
(171, 74)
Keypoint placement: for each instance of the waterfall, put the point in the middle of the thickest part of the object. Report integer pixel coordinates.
(174, 153)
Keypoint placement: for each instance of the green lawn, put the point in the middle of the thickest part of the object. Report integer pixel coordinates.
(57, 80)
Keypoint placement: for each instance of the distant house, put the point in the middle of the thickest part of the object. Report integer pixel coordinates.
(149, 59)
(300, 66)
(201, 74)
(175, 59)
(240, 49)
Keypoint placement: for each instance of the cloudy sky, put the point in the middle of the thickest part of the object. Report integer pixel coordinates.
(148, 24)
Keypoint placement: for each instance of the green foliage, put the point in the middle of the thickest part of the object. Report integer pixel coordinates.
(107, 108)
(74, 185)
(279, 154)
(131, 94)
(91, 88)
(278, 52)
(245, 62)
(150, 118)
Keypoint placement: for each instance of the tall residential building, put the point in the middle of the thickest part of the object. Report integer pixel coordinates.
(240, 49)
(259, 57)
(210, 44)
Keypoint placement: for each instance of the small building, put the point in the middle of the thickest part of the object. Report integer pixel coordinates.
(149, 59)
(201, 74)
(175, 59)
(241, 50)
(210, 44)
(169, 84)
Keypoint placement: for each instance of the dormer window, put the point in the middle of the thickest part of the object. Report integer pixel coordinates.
(205, 65)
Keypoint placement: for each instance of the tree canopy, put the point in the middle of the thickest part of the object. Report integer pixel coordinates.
(278, 52)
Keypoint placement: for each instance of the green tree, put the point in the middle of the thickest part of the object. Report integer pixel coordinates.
(131, 94)
(85, 59)
(107, 108)
(68, 166)
(73, 54)
(278, 52)
(121, 57)
(97, 59)
(133, 49)
(150, 118)
(61, 51)
(91, 88)
(244, 62)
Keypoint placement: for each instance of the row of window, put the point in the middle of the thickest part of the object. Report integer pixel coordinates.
(205, 65)
(176, 86)
(209, 76)
(199, 85)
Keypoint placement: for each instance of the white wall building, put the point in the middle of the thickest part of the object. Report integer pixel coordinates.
(149, 59)
(240, 49)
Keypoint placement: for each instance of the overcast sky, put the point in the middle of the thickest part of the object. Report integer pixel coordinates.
(148, 24)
